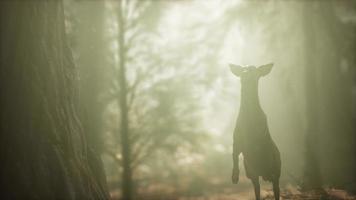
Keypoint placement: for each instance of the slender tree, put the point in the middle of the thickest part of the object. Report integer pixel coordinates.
(335, 102)
(311, 172)
(145, 93)
(122, 101)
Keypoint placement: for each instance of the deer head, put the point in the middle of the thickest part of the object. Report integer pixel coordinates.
(249, 77)
(250, 73)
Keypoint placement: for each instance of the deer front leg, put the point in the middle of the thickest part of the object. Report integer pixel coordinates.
(235, 158)
(256, 185)
(276, 189)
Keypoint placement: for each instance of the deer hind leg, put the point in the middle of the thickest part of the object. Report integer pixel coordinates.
(276, 189)
(256, 185)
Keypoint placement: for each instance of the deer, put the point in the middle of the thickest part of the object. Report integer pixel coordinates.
(251, 137)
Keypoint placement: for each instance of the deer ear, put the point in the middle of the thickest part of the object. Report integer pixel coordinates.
(236, 69)
(263, 70)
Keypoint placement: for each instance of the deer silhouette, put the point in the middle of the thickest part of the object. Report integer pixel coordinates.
(251, 135)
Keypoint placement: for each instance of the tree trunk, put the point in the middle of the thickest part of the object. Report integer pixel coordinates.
(311, 171)
(91, 63)
(43, 149)
(91, 52)
(312, 179)
(124, 123)
(335, 98)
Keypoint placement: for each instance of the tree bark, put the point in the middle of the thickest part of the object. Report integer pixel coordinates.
(312, 178)
(44, 154)
(122, 100)
(91, 52)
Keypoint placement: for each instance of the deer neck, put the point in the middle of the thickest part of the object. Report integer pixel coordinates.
(250, 102)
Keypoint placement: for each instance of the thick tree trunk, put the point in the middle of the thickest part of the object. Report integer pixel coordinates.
(43, 149)
(91, 58)
(124, 123)
(92, 53)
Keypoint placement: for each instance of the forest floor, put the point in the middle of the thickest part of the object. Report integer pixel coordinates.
(286, 194)
(242, 191)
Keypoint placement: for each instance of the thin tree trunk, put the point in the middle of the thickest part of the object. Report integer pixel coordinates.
(124, 124)
(312, 178)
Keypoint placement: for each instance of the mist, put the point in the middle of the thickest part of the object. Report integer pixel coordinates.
(141, 96)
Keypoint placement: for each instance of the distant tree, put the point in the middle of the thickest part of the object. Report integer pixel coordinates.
(311, 177)
(352, 62)
(335, 95)
(155, 101)
(123, 105)
(44, 151)
(328, 89)
(129, 14)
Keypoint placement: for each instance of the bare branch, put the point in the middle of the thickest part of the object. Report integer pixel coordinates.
(114, 155)
(132, 34)
(135, 11)
(144, 154)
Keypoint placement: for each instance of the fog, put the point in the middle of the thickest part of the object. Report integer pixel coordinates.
(160, 107)
(187, 100)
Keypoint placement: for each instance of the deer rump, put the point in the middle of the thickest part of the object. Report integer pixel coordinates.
(260, 154)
